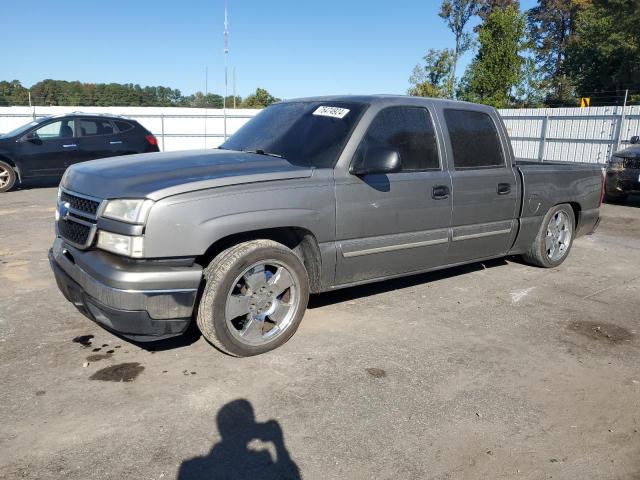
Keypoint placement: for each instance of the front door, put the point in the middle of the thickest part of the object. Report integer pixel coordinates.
(46, 150)
(485, 193)
(389, 224)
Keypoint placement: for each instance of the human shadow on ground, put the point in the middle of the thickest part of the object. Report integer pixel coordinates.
(233, 458)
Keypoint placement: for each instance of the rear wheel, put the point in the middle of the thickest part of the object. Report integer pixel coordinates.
(254, 298)
(555, 238)
(8, 177)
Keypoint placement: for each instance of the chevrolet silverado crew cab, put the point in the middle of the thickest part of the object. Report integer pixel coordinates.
(310, 195)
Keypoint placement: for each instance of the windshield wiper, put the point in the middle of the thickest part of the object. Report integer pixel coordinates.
(262, 152)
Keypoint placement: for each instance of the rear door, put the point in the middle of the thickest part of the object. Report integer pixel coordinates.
(388, 224)
(46, 150)
(98, 138)
(485, 191)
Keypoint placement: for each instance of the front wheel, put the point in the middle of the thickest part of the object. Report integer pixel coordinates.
(254, 298)
(555, 238)
(8, 177)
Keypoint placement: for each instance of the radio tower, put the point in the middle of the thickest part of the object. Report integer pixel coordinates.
(226, 67)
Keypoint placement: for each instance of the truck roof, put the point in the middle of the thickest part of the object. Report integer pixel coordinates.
(387, 99)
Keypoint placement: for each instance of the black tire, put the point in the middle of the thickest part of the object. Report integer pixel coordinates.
(220, 276)
(538, 254)
(8, 177)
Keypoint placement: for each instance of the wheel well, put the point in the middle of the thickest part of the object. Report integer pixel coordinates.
(576, 212)
(301, 241)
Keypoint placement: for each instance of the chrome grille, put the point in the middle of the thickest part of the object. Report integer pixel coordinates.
(632, 163)
(77, 218)
(81, 204)
(76, 233)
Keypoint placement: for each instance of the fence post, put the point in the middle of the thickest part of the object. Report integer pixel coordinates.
(543, 138)
(162, 127)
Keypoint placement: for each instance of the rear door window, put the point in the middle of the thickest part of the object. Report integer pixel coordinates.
(474, 140)
(92, 127)
(123, 126)
(408, 130)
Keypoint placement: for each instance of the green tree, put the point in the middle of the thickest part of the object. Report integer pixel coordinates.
(552, 24)
(433, 78)
(604, 53)
(456, 14)
(260, 99)
(13, 93)
(497, 68)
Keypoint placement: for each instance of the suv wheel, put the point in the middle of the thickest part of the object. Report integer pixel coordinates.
(254, 298)
(555, 237)
(8, 177)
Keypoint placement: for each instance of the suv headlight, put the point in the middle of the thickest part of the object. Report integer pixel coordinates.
(133, 211)
(121, 244)
(616, 164)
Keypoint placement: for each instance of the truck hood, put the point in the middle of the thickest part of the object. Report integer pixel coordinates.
(159, 175)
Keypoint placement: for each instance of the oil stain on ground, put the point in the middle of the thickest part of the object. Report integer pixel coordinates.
(376, 372)
(604, 332)
(98, 357)
(123, 372)
(84, 340)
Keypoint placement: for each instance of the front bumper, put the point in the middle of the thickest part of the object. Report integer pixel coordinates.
(622, 183)
(138, 301)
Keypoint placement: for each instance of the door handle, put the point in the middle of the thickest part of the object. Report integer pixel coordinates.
(504, 188)
(115, 142)
(440, 192)
(69, 145)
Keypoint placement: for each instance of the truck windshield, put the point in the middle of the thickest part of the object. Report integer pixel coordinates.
(309, 134)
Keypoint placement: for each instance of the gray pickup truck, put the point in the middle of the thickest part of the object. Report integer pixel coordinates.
(311, 195)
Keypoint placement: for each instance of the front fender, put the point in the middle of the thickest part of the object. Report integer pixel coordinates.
(179, 228)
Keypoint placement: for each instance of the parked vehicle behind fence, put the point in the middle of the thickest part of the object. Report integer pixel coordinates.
(48, 146)
(311, 195)
(623, 172)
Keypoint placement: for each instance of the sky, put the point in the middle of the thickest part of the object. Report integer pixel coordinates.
(291, 48)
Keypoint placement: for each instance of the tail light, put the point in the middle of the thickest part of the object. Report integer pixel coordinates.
(151, 139)
(602, 183)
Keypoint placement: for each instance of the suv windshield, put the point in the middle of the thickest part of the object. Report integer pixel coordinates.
(20, 130)
(309, 134)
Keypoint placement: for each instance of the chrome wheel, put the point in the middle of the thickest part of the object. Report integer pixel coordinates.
(558, 239)
(5, 177)
(262, 303)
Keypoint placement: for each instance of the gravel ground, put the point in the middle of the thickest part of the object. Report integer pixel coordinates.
(494, 370)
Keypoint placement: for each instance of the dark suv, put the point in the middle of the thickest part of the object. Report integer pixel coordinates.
(623, 172)
(47, 146)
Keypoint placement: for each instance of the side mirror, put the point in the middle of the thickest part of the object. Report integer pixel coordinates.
(32, 137)
(635, 139)
(377, 160)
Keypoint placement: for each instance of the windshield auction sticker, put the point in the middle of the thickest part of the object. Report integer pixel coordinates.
(335, 112)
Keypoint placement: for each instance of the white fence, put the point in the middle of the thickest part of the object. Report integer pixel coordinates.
(571, 134)
(175, 128)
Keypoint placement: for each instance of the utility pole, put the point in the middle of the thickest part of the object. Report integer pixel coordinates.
(234, 88)
(206, 94)
(33, 110)
(226, 66)
(622, 118)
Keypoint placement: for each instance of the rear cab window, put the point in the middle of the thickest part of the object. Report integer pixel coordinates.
(474, 140)
(409, 131)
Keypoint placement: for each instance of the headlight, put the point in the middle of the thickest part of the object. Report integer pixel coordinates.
(121, 244)
(616, 164)
(130, 210)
